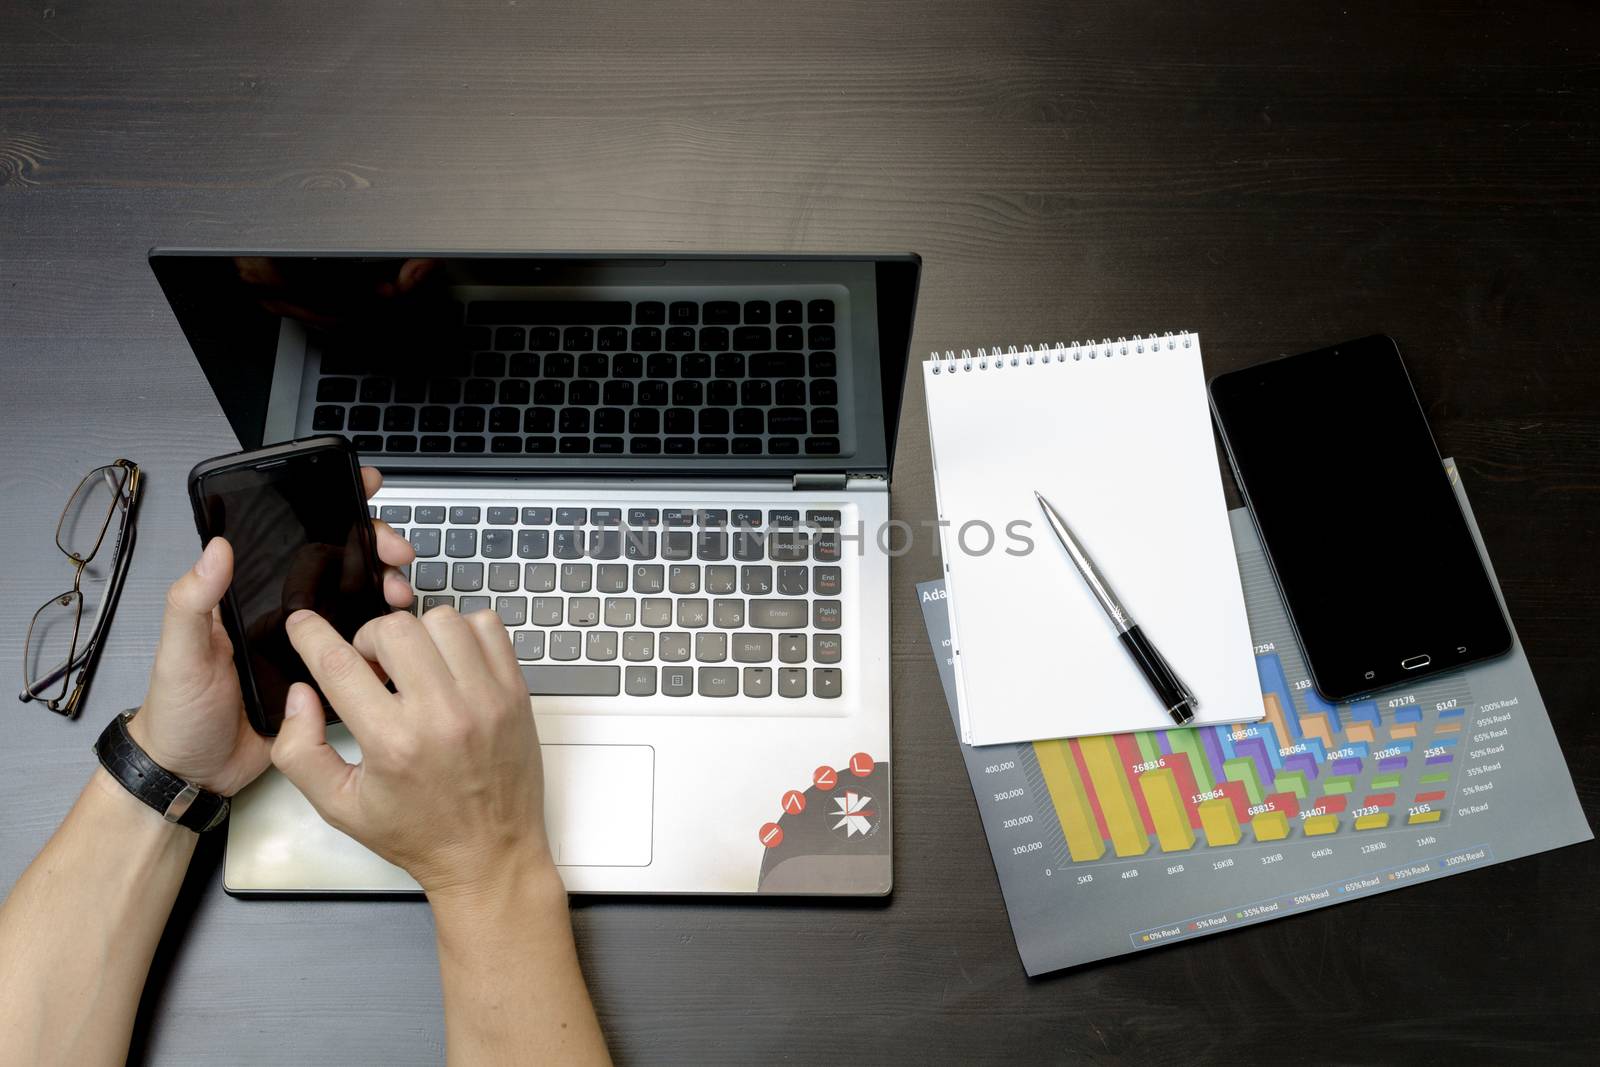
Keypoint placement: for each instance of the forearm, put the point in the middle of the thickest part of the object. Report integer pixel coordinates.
(513, 990)
(78, 930)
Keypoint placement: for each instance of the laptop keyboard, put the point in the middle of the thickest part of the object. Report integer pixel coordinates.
(604, 377)
(639, 601)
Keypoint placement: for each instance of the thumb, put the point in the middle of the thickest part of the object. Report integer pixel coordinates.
(301, 751)
(186, 626)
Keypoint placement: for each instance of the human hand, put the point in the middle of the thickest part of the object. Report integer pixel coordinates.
(450, 786)
(192, 721)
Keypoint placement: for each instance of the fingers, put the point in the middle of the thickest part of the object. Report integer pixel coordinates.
(191, 600)
(392, 548)
(454, 638)
(403, 648)
(396, 590)
(497, 652)
(341, 671)
(301, 751)
(371, 481)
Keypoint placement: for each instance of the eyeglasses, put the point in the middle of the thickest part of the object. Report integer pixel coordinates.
(59, 655)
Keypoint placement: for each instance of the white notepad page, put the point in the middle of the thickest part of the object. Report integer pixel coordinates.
(1118, 437)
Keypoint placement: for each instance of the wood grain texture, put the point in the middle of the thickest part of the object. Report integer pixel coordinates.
(1275, 176)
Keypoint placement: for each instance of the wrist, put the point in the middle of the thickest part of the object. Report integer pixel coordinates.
(523, 878)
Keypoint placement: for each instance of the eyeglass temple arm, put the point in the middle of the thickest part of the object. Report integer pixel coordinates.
(102, 618)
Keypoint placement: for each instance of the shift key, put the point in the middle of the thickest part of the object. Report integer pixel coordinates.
(573, 681)
(775, 614)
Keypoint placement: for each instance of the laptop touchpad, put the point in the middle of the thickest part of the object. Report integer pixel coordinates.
(599, 804)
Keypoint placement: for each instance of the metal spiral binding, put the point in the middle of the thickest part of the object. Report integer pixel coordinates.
(952, 360)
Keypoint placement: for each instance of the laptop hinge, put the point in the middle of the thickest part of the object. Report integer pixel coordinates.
(820, 481)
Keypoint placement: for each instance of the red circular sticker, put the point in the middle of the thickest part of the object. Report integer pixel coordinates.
(861, 765)
(794, 802)
(825, 778)
(771, 834)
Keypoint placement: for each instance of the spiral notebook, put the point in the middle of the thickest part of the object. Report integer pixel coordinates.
(1117, 435)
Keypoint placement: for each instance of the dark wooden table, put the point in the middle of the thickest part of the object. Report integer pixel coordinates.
(1274, 175)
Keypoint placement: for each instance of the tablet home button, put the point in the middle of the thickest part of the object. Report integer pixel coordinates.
(1414, 662)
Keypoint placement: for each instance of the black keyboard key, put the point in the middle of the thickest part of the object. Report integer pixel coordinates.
(496, 543)
(605, 543)
(574, 338)
(400, 442)
(790, 392)
(429, 513)
(819, 337)
(399, 419)
(755, 393)
(559, 365)
(465, 515)
(825, 546)
(722, 393)
(539, 420)
(711, 516)
(376, 390)
(608, 446)
(677, 545)
(609, 420)
(678, 420)
(820, 311)
(661, 365)
(489, 364)
(824, 365)
(824, 421)
(822, 446)
(643, 516)
(533, 544)
(752, 338)
(543, 312)
(505, 420)
(749, 420)
(568, 543)
(783, 518)
(479, 391)
(627, 365)
(537, 516)
(341, 390)
(713, 339)
(328, 417)
(686, 392)
(791, 338)
(646, 338)
(364, 417)
(683, 313)
(786, 421)
(544, 338)
(650, 313)
(469, 420)
(826, 520)
(461, 542)
(585, 392)
(777, 365)
(747, 517)
(573, 446)
(435, 443)
(572, 516)
(524, 365)
(722, 313)
(678, 517)
(695, 365)
(502, 516)
(749, 546)
(714, 420)
(783, 446)
(680, 339)
(410, 390)
(730, 365)
(824, 392)
(757, 312)
(510, 338)
(445, 390)
(467, 444)
(789, 311)
(594, 365)
(679, 446)
(541, 445)
(639, 544)
(747, 446)
(644, 421)
(645, 446)
(434, 419)
(611, 339)
(786, 546)
(617, 393)
(546, 391)
(712, 545)
(394, 513)
(515, 391)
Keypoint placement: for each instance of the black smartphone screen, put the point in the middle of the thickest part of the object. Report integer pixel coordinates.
(1373, 555)
(297, 521)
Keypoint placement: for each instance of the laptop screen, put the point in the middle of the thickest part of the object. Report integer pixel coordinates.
(694, 364)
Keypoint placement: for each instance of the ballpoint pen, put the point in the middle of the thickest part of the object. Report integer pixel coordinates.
(1176, 697)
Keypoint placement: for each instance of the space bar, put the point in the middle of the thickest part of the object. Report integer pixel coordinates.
(573, 681)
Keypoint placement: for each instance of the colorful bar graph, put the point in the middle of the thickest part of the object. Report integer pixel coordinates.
(1433, 760)
(1434, 776)
(1425, 816)
(1165, 801)
(1330, 803)
(1319, 727)
(1315, 705)
(1342, 784)
(1393, 763)
(1110, 782)
(1451, 727)
(1270, 826)
(1188, 744)
(1360, 731)
(1429, 798)
(1293, 782)
(1061, 776)
(1385, 781)
(1402, 730)
(1304, 763)
(1320, 824)
(1409, 713)
(1376, 821)
(1242, 769)
(1379, 800)
(1220, 823)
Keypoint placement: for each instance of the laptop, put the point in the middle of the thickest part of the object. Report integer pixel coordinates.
(668, 474)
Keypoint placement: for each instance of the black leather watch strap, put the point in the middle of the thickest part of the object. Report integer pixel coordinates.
(177, 800)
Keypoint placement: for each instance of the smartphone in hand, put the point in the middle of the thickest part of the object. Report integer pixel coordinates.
(296, 517)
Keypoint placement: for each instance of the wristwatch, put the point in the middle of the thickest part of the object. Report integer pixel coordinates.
(177, 800)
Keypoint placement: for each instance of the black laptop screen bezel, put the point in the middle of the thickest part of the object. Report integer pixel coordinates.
(236, 346)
